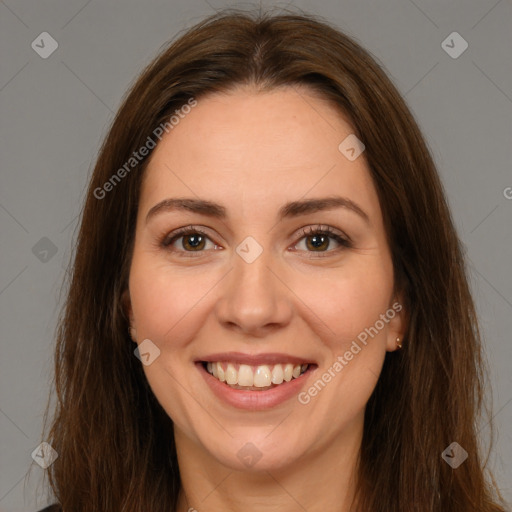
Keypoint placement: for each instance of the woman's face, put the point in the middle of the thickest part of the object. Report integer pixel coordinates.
(256, 287)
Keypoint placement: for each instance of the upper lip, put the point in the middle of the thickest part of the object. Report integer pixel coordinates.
(255, 359)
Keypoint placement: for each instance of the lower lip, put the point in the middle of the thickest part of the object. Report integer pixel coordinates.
(255, 400)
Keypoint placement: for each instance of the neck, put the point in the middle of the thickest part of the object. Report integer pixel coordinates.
(323, 479)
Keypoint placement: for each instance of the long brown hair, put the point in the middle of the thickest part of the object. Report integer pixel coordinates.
(115, 442)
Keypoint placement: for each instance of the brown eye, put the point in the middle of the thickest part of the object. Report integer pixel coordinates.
(318, 240)
(193, 240)
(314, 242)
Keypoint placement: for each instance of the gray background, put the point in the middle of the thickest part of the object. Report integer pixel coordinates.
(56, 111)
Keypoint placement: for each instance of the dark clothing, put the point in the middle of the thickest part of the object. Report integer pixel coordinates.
(52, 508)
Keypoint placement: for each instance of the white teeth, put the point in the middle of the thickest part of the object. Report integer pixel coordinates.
(261, 376)
(277, 374)
(288, 372)
(221, 375)
(231, 374)
(245, 377)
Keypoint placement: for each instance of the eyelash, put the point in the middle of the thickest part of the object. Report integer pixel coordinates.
(169, 239)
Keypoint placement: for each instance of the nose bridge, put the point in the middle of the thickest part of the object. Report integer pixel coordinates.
(253, 298)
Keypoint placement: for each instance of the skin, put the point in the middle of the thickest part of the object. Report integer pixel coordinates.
(253, 152)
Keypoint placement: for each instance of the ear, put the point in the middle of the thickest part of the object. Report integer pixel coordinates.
(398, 322)
(126, 305)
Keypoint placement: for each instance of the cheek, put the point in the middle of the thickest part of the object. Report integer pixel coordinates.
(165, 304)
(349, 311)
(155, 305)
(168, 302)
(348, 302)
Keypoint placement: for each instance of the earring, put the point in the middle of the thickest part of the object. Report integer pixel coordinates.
(133, 333)
(398, 344)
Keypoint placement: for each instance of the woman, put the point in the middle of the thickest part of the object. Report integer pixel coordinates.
(268, 305)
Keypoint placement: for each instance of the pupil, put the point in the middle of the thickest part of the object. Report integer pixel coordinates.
(194, 240)
(320, 240)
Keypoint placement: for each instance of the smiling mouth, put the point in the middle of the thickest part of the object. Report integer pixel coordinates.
(255, 378)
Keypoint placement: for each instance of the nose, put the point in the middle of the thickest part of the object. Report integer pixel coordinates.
(254, 298)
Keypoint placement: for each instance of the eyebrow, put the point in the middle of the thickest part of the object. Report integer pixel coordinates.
(289, 210)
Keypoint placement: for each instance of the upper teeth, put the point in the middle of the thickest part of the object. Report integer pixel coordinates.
(258, 376)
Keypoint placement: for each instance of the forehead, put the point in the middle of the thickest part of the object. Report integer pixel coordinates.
(253, 147)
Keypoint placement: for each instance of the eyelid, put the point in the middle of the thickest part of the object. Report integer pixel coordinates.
(170, 238)
(339, 236)
(324, 228)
